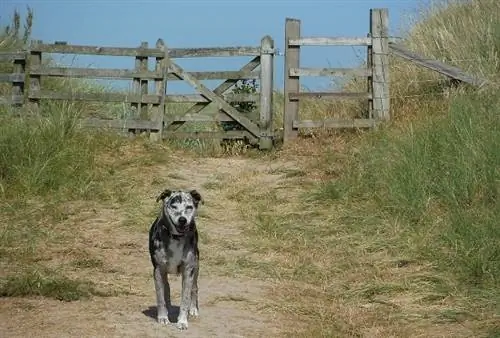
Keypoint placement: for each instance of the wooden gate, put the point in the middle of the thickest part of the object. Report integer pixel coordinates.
(152, 111)
(257, 130)
(376, 72)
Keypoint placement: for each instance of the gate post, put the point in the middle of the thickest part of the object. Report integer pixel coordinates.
(380, 63)
(266, 92)
(158, 110)
(292, 83)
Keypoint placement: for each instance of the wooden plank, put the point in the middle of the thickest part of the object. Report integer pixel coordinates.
(213, 52)
(143, 67)
(329, 72)
(380, 63)
(329, 95)
(11, 56)
(158, 111)
(12, 100)
(292, 83)
(147, 52)
(118, 124)
(437, 66)
(197, 118)
(266, 93)
(219, 90)
(216, 99)
(96, 50)
(12, 77)
(335, 123)
(103, 97)
(201, 99)
(35, 81)
(329, 41)
(131, 73)
(232, 134)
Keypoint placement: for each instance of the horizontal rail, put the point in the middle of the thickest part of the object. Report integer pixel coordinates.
(13, 77)
(130, 74)
(11, 56)
(119, 124)
(195, 98)
(9, 100)
(329, 72)
(137, 98)
(197, 118)
(146, 52)
(329, 95)
(103, 97)
(335, 123)
(232, 134)
(333, 41)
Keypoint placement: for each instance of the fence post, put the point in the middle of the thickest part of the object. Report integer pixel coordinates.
(292, 83)
(35, 81)
(140, 86)
(18, 80)
(158, 110)
(379, 33)
(266, 92)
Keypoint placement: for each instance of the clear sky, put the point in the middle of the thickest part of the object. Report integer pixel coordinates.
(208, 23)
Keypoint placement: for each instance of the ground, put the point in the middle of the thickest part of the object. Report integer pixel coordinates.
(230, 305)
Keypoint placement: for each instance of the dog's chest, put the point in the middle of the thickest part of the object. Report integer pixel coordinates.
(170, 255)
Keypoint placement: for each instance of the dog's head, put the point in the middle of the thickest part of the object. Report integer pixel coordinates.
(180, 207)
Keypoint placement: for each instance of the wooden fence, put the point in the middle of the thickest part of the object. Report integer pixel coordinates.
(376, 72)
(29, 71)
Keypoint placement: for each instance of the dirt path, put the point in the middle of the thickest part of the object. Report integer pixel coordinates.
(230, 305)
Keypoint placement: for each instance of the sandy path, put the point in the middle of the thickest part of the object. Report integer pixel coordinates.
(229, 306)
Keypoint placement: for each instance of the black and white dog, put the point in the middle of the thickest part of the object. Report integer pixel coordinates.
(173, 247)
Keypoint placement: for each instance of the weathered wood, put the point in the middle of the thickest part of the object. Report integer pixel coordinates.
(266, 93)
(380, 63)
(213, 52)
(158, 110)
(18, 78)
(216, 99)
(369, 79)
(147, 52)
(232, 134)
(219, 117)
(35, 81)
(437, 66)
(96, 50)
(329, 95)
(103, 97)
(219, 90)
(11, 100)
(11, 56)
(12, 77)
(201, 99)
(335, 123)
(329, 72)
(328, 41)
(131, 73)
(119, 124)
(292, 83)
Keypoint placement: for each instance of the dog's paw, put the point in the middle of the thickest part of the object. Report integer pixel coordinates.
(182, 325)
(194, 312)
(163, 320)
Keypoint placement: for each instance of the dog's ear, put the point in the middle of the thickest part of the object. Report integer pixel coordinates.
(166, 193)
(196, 197)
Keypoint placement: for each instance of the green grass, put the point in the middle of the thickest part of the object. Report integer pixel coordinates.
(48, 284)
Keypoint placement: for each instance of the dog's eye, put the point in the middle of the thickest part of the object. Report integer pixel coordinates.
(189, 207)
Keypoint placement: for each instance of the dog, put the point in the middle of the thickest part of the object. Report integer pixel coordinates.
(173, 248)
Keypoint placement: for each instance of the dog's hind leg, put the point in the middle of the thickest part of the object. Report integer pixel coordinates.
(162, 289)
(194, 311)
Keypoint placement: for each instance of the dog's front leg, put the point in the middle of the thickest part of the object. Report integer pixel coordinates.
(194, 311)
(187, 285)
(162, 289)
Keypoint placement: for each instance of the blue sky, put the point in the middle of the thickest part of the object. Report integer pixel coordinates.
(204, 23)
